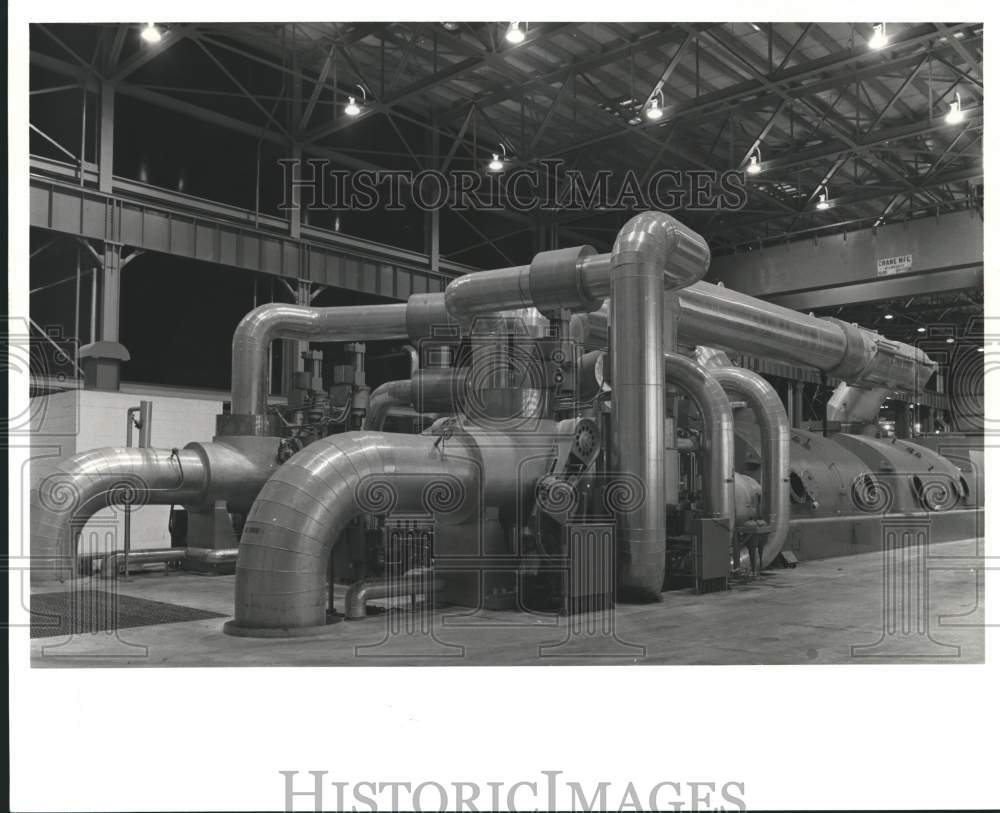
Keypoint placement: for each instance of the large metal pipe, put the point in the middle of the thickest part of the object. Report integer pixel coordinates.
(554, 280)
(418, 580)
(256, 331)
(721, 317)
(82, 485)
(213, 556)
(775, 435)
(429, 391)
(717, 428)
(301, 511)
(303, 508)
(653, 255)
(578, 279)
(383, 398)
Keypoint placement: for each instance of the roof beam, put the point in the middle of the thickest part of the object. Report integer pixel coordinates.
(962, 51)
(229, 75)
(169, 38)
(750, 95)
(580, 66)
(318, 87)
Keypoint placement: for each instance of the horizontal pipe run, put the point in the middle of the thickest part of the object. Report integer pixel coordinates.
(111, 562)
(218, 556)
(721, 317)
(256, 331)
(214, 556)
(413, 582)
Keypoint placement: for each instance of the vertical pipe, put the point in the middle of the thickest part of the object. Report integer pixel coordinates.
(93, 306)
(710, 397)
(653, 255)
(76, 302)
(638, 416)
(775, 441)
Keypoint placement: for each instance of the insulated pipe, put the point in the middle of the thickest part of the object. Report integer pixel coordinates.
(440, 389)
(721, 317)
(717, 425)
(212, 556)
(383, 398)
(84, 484)
(774, 438)
(653, 254)
(429, 391)
(111, 562)
(301, 511)
(555, 280)
(411, 351)
(418, 580)
(256, 331)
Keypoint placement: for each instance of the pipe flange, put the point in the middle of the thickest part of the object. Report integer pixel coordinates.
(860, 349)
(555, 283)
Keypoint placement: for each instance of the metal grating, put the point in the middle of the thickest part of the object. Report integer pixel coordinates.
(77, 612)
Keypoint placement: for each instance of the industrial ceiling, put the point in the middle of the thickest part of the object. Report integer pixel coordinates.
(823, 113)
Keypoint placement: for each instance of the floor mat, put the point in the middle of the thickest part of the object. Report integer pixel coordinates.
(85, 611)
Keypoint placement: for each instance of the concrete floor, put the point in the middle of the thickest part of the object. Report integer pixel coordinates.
(830, 611)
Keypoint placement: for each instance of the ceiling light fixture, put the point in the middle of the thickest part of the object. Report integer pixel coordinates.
(515, 34)
(151, 34)
(955, 113)
(654, 106)
(921, 330)
(888, 316)
(352, 108)
(450, 26)
(879, 38)
(980, 349)
(823, 203)
(497, 164)
(754, 167)
(950, 340)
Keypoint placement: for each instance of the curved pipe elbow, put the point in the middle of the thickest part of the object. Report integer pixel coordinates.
(775, 441)
(255, 332)
(251, 353)
(657, 239)
(86, 483)
(419, 580)
(653, 255)
(717, 424)
(383, 399)
(306, 504)
(488, 292)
